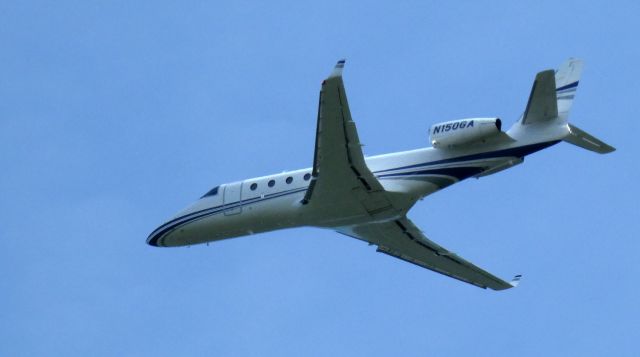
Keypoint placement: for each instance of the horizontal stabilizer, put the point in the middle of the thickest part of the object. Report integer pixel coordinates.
(584, 140)
(543, 103)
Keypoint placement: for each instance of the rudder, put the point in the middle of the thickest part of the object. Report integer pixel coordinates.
(567, 80)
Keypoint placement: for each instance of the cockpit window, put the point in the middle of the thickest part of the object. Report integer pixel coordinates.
(212, 192)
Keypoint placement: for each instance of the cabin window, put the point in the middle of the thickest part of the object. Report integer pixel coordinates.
(212, 192)
(253, 186)
(289, 180)
(307, 177)
(271, 183)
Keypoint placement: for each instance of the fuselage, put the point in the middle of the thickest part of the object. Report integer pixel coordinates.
(273, 202)
(368, 198)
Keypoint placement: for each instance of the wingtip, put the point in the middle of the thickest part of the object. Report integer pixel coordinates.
(516, 280)
(549, 73)
(607, 149)
(337, 70)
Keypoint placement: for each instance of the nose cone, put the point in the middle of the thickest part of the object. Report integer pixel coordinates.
(160, 237)
(166, 235)
(175, 233)
(154, 237)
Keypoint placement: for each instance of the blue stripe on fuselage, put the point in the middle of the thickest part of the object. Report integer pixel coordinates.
(176, 222)
(517, 152)
(459, 173)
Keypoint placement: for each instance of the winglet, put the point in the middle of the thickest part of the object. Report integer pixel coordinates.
(337, 70)
(516, 280)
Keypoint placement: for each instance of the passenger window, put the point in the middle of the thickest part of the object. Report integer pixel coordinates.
(307, 177)
(271, 183)
(253, 186)
(289, 180)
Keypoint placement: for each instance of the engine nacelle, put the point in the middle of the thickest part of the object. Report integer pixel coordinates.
(464, 131)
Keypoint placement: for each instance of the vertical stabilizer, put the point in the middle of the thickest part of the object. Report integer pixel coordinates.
(567, 79)
(552, 93)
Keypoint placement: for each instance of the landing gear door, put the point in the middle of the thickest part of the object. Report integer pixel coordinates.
(232, 193)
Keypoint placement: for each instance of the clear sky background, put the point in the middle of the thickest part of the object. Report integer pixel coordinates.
(115, 115)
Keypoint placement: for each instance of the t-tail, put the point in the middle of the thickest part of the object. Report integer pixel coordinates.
(547, 111)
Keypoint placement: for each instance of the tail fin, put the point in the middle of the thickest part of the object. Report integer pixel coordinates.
(553, 93)
(550, 102)
(567, 79)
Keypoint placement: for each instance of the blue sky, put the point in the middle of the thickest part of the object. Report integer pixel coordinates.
(115, 115)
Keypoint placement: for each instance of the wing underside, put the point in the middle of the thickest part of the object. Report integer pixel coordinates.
(402, 239)
(340, 173)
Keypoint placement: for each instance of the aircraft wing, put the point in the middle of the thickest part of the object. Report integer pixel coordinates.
(402, 239)
(339, 169)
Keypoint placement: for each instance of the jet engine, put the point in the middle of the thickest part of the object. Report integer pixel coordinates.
(463, 131)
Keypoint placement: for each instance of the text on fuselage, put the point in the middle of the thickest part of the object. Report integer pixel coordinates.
(452, 126)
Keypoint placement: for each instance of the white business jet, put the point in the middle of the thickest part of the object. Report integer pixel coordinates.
(368, 198)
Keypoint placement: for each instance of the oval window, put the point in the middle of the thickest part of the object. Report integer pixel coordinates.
(289, 180)
(271, 183)
(253, 186)
(307, 177)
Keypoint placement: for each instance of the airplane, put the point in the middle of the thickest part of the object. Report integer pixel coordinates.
(368, 198)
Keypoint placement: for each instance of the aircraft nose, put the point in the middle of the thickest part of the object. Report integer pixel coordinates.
(163, 235)
(167, 235)
(179, 230)
(154, 237)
